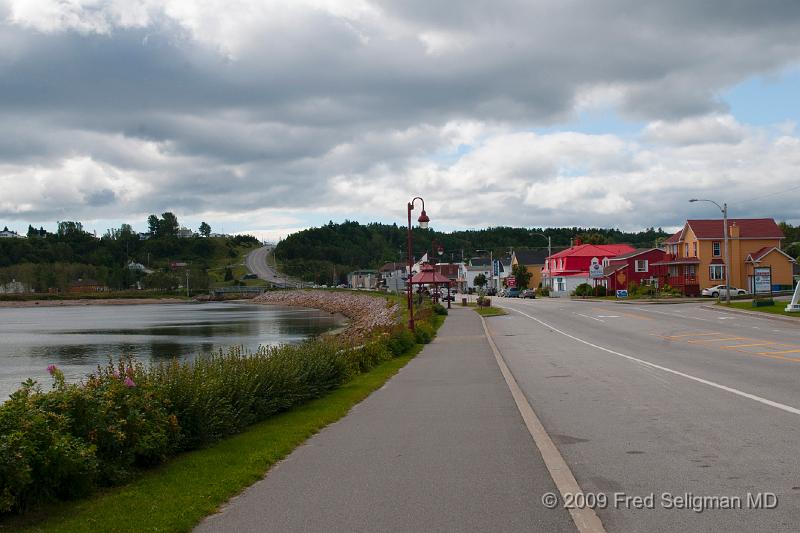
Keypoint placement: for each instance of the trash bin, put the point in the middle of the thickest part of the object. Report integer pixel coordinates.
(464, 302)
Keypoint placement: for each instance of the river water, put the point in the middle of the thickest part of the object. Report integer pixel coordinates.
(78, 338)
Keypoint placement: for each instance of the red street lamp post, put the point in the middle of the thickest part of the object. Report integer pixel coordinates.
(423, 223)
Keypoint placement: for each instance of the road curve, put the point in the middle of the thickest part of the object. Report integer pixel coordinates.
(256, 263)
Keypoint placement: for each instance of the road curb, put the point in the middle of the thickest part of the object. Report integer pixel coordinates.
(768, 316)
(585, 519)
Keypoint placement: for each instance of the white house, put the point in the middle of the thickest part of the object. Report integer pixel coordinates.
(8, 234)
(13, 287)
(471, 272)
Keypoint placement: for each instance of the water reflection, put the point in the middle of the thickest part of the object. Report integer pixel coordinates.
(78, 339)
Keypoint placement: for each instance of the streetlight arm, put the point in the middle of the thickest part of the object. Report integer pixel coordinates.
(706, 200)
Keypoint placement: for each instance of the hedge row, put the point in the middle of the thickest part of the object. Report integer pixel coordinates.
(66, 442)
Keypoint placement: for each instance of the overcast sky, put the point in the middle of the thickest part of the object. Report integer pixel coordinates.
(267, 117)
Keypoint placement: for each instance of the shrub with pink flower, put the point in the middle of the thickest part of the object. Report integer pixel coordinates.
(129, 382)
(52, 369)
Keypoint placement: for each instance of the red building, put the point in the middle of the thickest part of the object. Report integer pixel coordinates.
(636, 266)
(569, 268)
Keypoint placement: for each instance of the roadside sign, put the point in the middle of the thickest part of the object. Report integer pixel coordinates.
(622, 294)
(596, 271)
(511, 281)
(762, 280)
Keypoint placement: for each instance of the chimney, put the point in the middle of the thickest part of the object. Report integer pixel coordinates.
(578, 241)
(733, 231)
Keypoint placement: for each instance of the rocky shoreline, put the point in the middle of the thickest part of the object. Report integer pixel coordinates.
(365, 312)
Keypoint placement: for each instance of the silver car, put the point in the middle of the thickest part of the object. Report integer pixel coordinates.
(718, 290)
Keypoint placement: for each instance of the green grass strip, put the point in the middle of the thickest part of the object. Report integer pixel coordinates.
(180, 493)
(778, 308)
(490, 311)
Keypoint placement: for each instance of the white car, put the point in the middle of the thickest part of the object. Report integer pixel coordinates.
(718, 290)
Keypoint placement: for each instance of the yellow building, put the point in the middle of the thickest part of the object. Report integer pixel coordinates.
(695, 254)
(533, 261)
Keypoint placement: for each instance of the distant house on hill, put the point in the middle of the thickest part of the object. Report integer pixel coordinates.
(184, 233)
(8, 234)
(14, 287)
(86, 286)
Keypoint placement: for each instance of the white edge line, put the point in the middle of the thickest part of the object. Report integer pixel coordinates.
(585, 519)
(777, 405)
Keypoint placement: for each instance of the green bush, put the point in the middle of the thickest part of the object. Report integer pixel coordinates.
(439, 309)
(584, 289)
(423, 332)
(600, 290)
(66, 442)
(544, 291)
(400, 340)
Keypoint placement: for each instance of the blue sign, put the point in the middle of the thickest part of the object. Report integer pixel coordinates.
(496, 267)
(622, 294)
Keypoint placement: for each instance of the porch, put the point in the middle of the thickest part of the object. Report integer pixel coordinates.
(680, 273)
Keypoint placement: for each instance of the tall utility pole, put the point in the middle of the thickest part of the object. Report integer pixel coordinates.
(724, 209)
(187, 282)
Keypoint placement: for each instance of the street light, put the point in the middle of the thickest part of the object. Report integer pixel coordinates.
(423, 223)
(724, 209)
(549, 253)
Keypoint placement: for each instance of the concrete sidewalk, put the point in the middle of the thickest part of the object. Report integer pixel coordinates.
(441, 447)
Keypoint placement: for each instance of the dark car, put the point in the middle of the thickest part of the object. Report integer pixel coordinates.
(528, 293)
(512, 292)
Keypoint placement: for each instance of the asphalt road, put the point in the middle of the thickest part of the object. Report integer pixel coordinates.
(653, 399)
(256, 263)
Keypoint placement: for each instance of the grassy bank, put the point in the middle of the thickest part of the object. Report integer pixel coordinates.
(176, 496)
(109, 295)
(181, 408)
(777, 308)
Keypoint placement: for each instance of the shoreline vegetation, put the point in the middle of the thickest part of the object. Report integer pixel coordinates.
(90, 456)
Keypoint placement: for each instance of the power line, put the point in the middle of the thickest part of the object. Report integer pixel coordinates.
(767, 195)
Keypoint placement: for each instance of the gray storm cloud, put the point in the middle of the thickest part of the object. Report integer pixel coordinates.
(135, 107)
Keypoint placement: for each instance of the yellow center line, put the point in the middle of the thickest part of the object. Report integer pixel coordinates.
(704, 341)
(746, 345)
(782, 351)
(687, 335)
(766, 354)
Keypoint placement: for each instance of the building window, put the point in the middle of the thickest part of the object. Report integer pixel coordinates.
(641, 265)
(560, 264)
(606, 262)
(716, 272)
(715, 248)
(561, 285)
(686, 249)
(694, 249)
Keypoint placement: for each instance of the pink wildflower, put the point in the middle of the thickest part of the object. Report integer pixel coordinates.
(116, 374)
(129, 382)
(51, 369)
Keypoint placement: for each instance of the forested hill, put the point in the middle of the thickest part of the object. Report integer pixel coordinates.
(319, 254)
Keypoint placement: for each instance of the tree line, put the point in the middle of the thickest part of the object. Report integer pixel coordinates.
(51, 260)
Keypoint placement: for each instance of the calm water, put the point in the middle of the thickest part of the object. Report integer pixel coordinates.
(79, 338)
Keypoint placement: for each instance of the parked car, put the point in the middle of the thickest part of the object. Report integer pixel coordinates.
(502, 293)
(528, 293)
(491, 292)
(718, 290)
(512, 292)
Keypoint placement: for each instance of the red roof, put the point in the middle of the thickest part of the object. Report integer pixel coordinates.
(749, 228)
(762, 252)
(594, 250)
(675, 238)
(429, 275)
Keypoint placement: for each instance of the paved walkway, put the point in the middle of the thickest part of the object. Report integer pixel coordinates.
(441, 447)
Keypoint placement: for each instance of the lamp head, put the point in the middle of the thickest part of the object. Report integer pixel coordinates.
(423, 220)
(694, 200)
